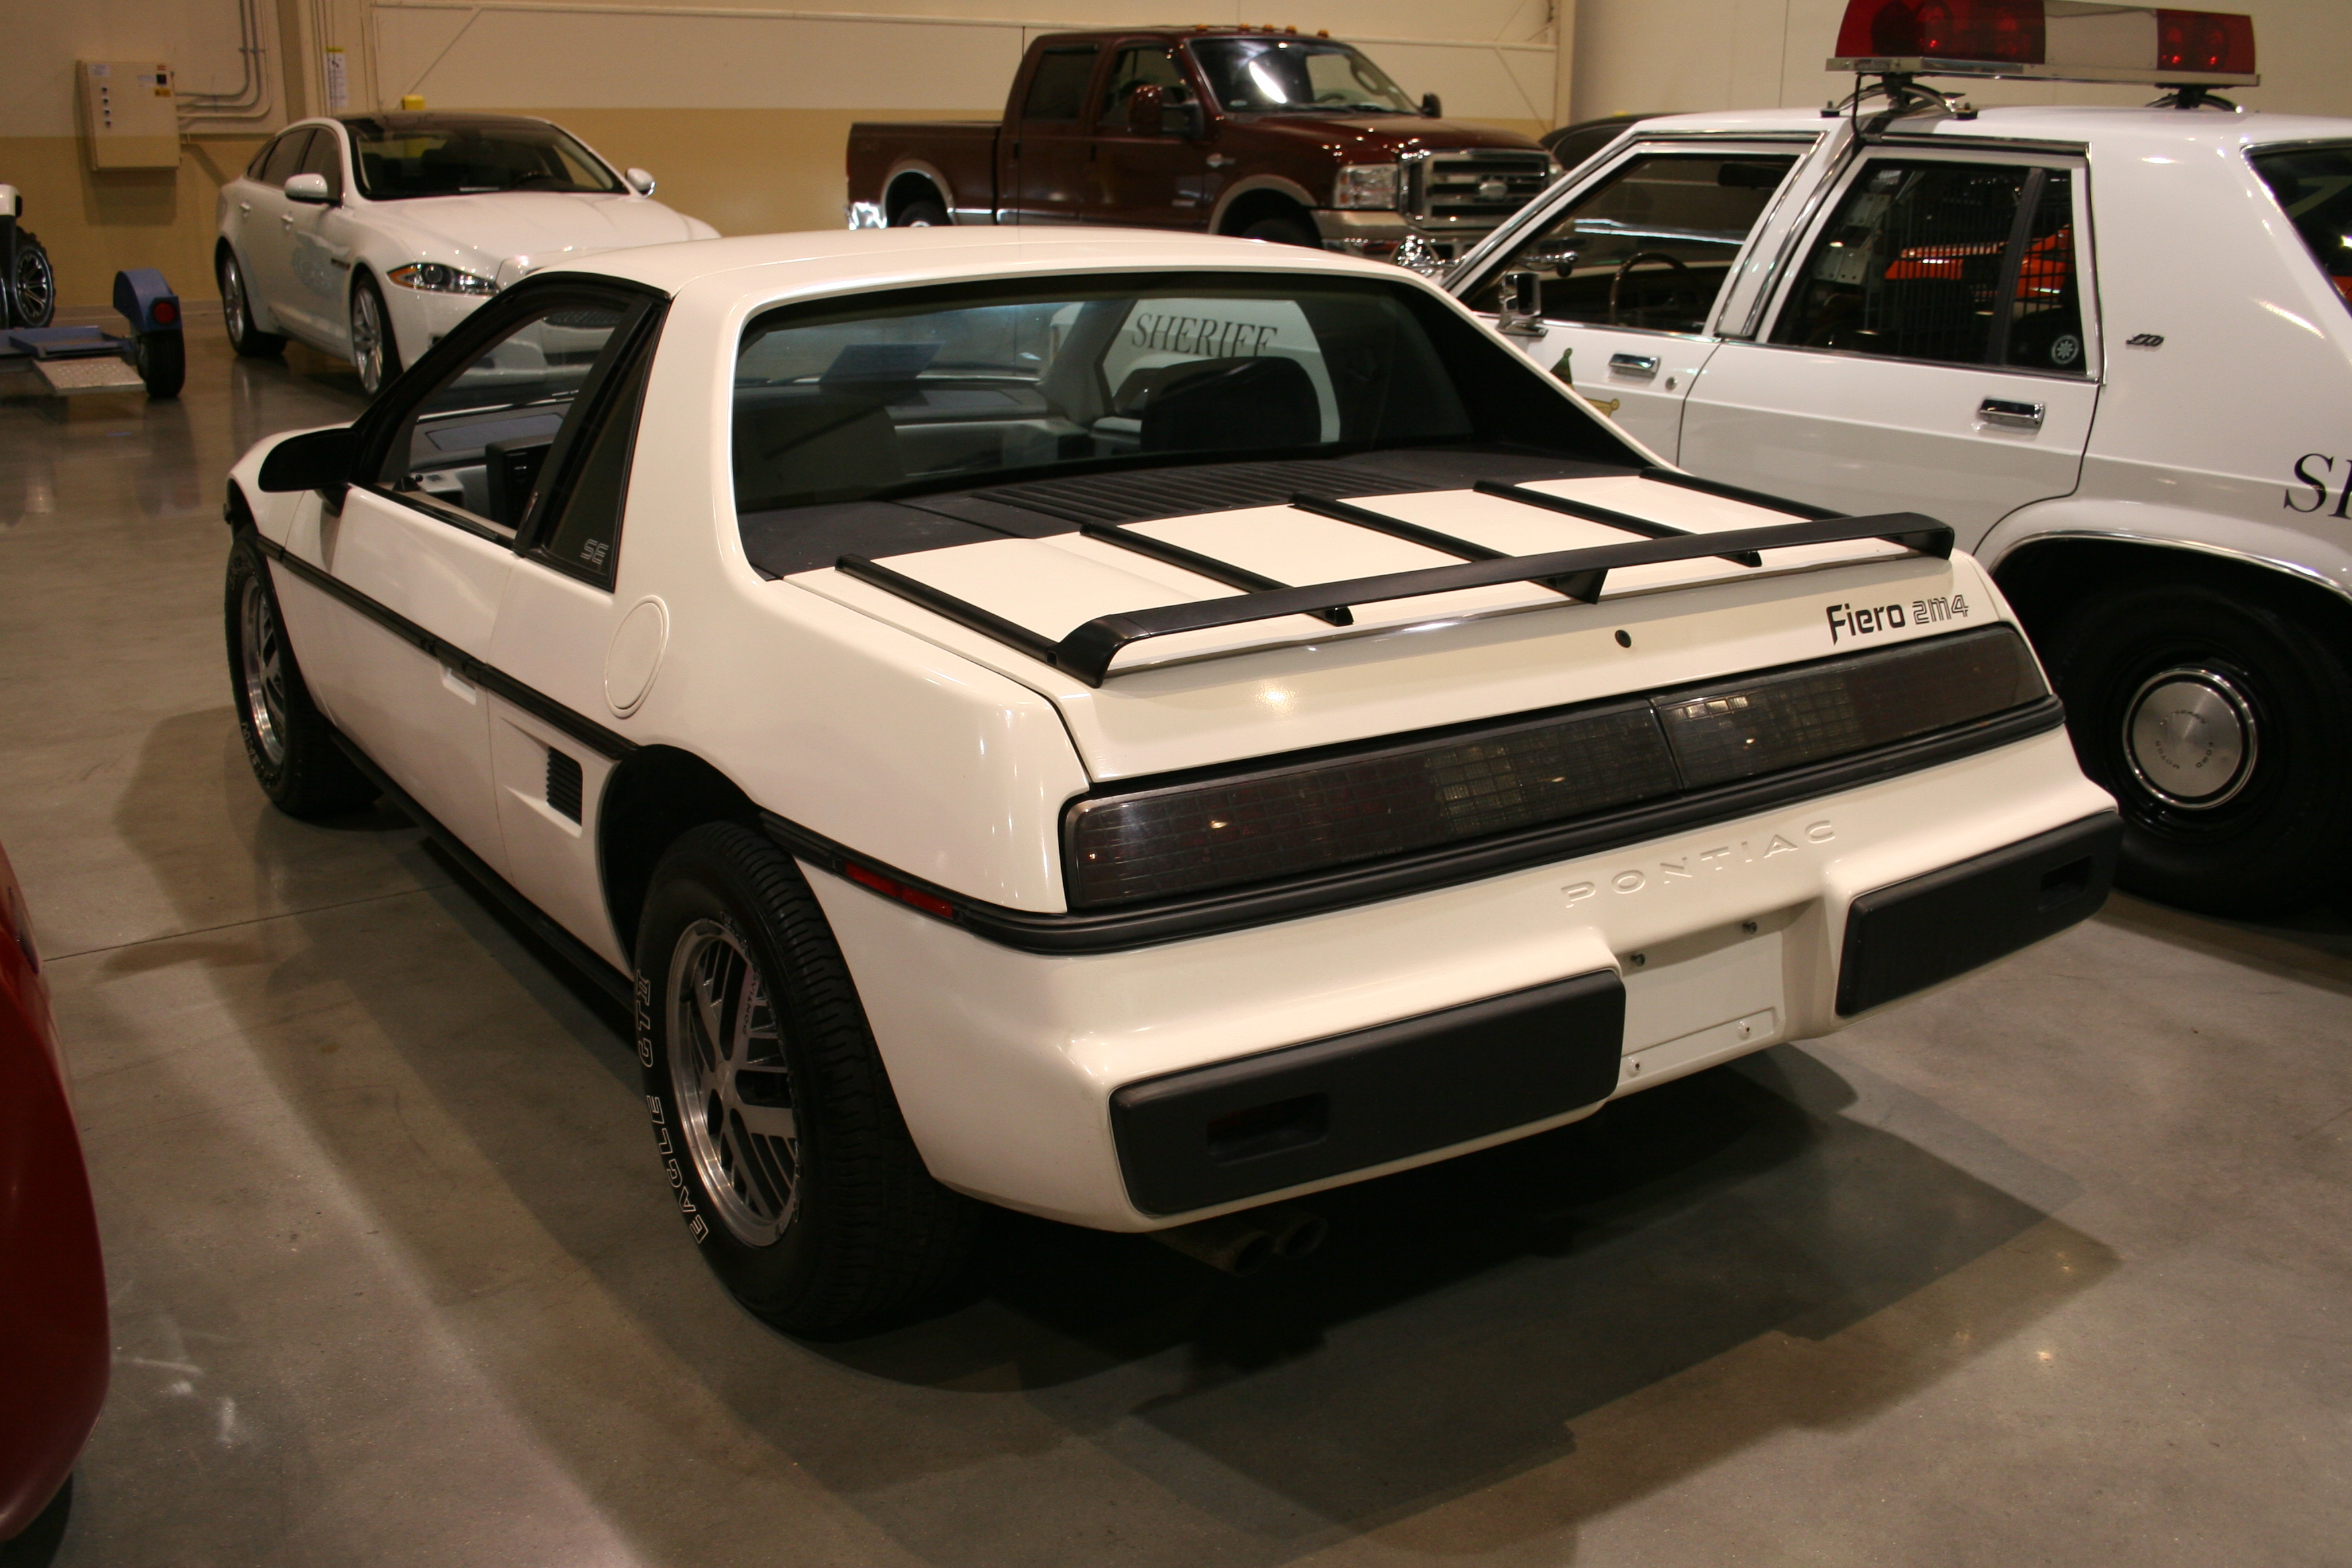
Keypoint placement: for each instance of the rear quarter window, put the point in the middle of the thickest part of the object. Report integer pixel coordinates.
(2313, 186)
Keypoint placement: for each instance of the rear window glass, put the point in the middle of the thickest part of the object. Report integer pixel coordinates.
(2315, 186)
(944, 388)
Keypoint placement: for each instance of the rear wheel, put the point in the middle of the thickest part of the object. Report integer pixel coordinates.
(375, 352)
(923, 213)
(236, 311)
(32, 284)
(773, 1113)
(288, 741)
(2222, 725)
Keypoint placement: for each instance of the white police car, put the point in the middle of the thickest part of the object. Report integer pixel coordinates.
(882, 647)
(2110, 346)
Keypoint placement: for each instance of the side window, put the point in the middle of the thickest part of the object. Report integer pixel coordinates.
(325, 157)
(585, 537)
(1143, 65)
(472, 448)
(1651, 248)
(1058, 90)
(286, 157)
(1929, 261)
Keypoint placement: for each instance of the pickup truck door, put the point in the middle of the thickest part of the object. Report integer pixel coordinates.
(1934, 350)
(1143, 178)
(1629, 269)
(1053, 140)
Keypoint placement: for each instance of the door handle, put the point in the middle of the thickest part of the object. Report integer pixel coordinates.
(2009, 414)
(1634, 365)
(286, 221)
(245, 207)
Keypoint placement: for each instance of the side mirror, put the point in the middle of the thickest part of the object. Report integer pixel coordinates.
(1181, 115)
(640, 181)
(1146, 112)
(1519, 311)
(1431, 109)
(322, 460)
(310, 189)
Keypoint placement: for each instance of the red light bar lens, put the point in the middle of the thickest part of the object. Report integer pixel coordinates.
(2204, 41)
(2010, 32)
(2053, 40)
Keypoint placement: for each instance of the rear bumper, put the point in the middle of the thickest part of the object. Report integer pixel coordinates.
(1130, 1089)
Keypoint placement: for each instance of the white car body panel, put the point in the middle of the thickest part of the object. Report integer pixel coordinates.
(938, 752)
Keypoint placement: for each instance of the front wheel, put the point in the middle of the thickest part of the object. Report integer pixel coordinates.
(2222, 725)
(375, 352)
(288, 741)
(775, 1121)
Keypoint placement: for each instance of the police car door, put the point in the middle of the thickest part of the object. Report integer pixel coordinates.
(1626, 271)
(1934, 350)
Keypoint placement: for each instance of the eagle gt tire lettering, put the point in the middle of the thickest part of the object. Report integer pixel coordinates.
(772, 1113)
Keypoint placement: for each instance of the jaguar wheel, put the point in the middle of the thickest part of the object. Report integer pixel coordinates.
(375, 352)
(771, 1111)
(236, 311)
(288, 741)
(2222, 725)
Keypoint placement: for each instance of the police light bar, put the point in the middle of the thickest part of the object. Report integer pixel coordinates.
(2047, 40)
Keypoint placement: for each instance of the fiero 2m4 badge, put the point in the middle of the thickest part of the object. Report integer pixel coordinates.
(1848, 621)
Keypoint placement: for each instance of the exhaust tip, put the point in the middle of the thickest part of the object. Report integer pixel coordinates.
(1244, 1244)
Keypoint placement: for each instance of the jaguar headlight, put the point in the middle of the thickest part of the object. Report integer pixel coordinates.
(431, 277)
(1372, 186)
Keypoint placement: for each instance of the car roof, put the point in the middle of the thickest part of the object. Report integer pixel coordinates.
(777, 266)
(2123, 130)
(410, 121)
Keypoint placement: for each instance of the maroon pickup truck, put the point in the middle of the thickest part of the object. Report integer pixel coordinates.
(1241, 130)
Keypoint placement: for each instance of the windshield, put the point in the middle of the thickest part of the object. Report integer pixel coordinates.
(2315, 186)
(469, 160)
(946, 388)
(1292, 75)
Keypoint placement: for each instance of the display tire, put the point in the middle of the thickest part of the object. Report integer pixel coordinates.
(236, 311)
(861, 1232)
(375, 347)
(288, 742)
(161, 360)
(2274, 836)
(32, 284)
(923, 213)
(1284, 231)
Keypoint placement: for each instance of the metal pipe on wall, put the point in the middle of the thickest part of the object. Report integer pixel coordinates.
(252, 99)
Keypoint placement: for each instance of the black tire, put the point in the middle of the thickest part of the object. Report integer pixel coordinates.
(1285, 231)
(32, 284)
(236, 310)
(288, 741)
(2157, 678)
(825, 1217)
(376, 348)
(923, 213)
(161, 360)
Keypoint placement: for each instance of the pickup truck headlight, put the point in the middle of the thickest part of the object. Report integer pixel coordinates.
(1366, 185)
(431, 277)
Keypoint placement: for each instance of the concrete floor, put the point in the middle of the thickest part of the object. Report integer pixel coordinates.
(2054, 1267)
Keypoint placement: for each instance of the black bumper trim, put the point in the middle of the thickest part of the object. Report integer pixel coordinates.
(1238, 1128)
(1912, 934)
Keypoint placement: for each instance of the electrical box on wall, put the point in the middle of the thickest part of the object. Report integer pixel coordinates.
(130, 118)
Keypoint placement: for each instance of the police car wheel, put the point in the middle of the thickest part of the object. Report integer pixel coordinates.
(288, 741)
(773, 1114)
(2220, 725)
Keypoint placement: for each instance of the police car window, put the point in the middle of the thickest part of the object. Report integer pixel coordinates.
(2046, 309)
(1911, 264)
(2313, 185)
(1651, 248)
(473, 448)
(975, 383)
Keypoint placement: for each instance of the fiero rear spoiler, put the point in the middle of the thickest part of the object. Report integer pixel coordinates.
(1576, 574)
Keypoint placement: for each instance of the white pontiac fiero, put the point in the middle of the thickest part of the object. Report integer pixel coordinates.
(370, 236)
(1128, 728)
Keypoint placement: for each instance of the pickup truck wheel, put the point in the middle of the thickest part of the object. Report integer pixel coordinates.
(236, 313)
(2219, 724)
(925, 214)
(288, 741)
(771, 1111)
(1284, 231)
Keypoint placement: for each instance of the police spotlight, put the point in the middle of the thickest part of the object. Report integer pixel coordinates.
(2047, 40)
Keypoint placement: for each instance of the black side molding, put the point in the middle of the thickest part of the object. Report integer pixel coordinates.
(1918, 933)
(1237, 1128)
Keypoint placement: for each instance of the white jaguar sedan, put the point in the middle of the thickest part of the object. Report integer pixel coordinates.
(370, 236)
(1129, 728)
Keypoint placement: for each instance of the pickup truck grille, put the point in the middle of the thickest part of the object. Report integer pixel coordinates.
(1478, 188)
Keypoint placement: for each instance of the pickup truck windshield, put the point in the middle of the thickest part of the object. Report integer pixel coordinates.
(1268, 76)
(471, 159)
(972, 383)
(2315, 186)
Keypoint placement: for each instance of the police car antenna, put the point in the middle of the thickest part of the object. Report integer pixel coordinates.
(1905, 95)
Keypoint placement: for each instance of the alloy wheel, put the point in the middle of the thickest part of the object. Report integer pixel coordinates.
(367, 339)
(262, 654)
(36, 286)
(734, 1092)
(231, 292)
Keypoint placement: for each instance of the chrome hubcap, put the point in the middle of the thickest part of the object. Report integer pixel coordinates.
(263, 654)
(233, 301)
(2191, 738)
(367, 341)
(734, 1092)
(35, 286)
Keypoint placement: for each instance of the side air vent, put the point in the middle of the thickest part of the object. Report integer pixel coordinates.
(563, 783)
